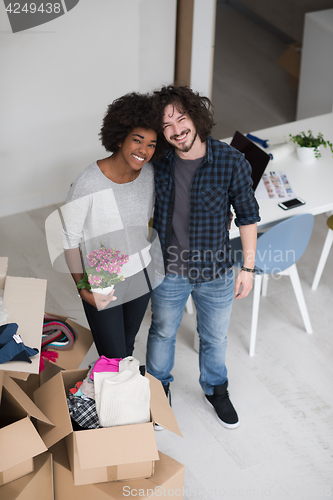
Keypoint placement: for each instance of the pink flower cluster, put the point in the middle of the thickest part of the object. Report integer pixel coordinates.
(94, 280)
(108, 260)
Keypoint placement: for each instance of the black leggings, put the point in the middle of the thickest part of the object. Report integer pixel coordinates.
(114, 329)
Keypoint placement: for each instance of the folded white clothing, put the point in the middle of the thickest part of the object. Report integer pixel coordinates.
(99, 380)
(129, 363)
(122, 398)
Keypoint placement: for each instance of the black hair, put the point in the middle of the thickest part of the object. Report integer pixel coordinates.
(198, 108)
(124, 115)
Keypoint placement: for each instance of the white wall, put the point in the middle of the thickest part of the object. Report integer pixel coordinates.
(203, 40)
(315, 92)
(57, 80)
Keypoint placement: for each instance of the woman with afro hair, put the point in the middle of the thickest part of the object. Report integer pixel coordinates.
(109, 205)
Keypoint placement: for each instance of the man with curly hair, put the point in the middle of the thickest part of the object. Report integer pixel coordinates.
(196, 182)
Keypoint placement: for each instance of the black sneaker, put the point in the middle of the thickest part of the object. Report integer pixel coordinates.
(167, 392)
(226, 413)
(168, 395)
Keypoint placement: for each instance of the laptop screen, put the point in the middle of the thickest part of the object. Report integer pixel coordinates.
(256, 157)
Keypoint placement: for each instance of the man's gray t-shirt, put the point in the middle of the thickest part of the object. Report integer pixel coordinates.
(184, 172)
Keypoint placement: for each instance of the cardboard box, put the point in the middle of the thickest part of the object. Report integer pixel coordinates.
(291, 62)
(14, 465)
(167, 481)
(69, 359)
(28, 386)
(37, 485)
(24, 299)
(19, 439)
(105, 454)
(29, 383)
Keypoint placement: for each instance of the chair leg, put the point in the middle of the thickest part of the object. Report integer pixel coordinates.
(189, 310)
(323, 258)
(255, 312)
(292, 271)
(265, 279)
(189, 305)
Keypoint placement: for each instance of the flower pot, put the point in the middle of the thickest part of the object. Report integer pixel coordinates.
(103, 291)
(306, 155)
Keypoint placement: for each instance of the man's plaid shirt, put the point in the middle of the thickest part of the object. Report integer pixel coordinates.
(223, 179)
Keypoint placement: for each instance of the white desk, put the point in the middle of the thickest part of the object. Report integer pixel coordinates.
(313, 183)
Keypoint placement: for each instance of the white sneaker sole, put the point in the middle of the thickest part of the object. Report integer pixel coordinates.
(158, 428)
(225, 424)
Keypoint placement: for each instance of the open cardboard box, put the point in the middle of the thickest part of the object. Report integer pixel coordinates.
(24, 299)
(104, 454)
(19, 439)
(69, 359)
(167, 481)
(37, 485)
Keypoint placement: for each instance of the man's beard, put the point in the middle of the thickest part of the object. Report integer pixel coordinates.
(186, 149)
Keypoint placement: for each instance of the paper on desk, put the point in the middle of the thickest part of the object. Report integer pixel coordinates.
(274, 185)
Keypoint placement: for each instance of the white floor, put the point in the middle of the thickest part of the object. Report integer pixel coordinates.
(284, 395)
(284, 445)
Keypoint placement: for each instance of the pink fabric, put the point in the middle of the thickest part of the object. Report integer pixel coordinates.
(47, 356)
(104, 364)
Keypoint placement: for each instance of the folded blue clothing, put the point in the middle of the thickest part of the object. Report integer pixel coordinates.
(12, 347)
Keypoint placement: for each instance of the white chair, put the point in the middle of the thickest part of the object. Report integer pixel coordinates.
(190, 310)
(278, 250)
(189, 305)
(324, 254)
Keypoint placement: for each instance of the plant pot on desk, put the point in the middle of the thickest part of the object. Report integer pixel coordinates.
(306, 155)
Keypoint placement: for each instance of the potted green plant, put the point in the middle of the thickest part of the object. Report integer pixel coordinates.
(308, 145)
(103, 271)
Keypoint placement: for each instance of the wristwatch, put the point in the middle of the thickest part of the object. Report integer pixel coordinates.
(248, 270)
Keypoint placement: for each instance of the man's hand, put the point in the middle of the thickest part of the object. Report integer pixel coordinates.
(244, 280)
(248, 236)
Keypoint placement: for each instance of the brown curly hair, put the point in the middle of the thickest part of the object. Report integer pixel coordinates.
(198, 108)
(124, 115)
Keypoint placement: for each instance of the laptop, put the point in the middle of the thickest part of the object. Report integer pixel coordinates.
(257, 158)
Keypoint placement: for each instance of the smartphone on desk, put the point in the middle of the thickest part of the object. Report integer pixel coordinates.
(288, 204)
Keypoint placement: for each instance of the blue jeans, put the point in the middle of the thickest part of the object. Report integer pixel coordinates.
(213, 302)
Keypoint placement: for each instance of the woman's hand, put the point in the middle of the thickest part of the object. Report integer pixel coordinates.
(97, 300)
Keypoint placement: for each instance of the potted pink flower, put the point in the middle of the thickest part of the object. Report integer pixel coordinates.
(104, 270)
